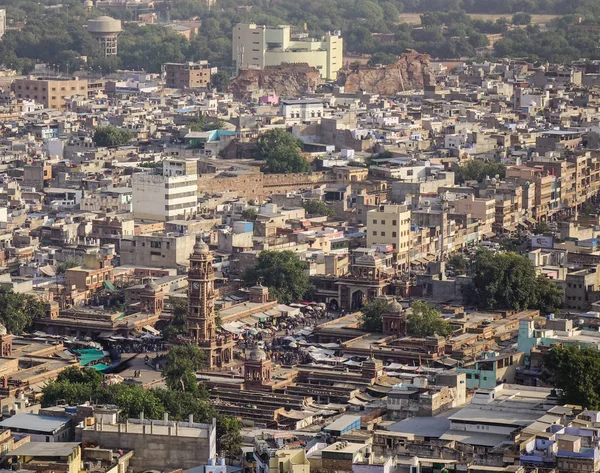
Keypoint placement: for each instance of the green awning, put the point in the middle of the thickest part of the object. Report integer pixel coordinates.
(89, 355)
(99, 367)
(109, 286)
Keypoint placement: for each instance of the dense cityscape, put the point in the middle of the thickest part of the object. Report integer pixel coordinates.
(337, 236)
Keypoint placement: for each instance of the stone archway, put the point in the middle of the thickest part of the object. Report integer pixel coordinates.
(358, 299)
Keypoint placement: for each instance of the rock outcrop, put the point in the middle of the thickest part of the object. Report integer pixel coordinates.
(411, 72)
(286, 80)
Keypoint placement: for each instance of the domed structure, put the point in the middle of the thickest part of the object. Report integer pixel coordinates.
(257, 369)
(256, 354)
(258, 294)
(201, 248)
(394, 307)
(372, 368)
(151, 285)
(394, 319)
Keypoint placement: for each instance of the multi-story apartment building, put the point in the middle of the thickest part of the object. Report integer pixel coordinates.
(167, 196)
(259, 46)
(390, 225)
(481, 209)
(51, 92)
(188, 75)
(169, 250)
(547, 189)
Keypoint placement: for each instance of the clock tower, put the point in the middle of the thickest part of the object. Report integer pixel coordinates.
(200, 318)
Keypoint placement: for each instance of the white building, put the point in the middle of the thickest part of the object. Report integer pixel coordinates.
(2, 22)
(303, 110)
(259, 46)
(167, 196)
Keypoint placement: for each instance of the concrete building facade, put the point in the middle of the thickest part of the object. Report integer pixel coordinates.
(390, 225)
(168, 196)
(51, 92)
(164, 251)
(188, 75)
(260, 46)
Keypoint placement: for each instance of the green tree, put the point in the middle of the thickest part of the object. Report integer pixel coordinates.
(382, 58)
(182, 362)
(548, 295)
(541, 227)
(220, 81)
(56, 392)
(424, 321)
(477, 170)
(521, 19)
(576, 372)
(111, 136)
(459, 262)
(283, 273)
(371, 315)
(204, 123)
(18, 311)
(318, 207)
(230, 441)
(176, 325)
(61, 268)
(281, 152)
(249, 214)
(508, 281)
(80, 375)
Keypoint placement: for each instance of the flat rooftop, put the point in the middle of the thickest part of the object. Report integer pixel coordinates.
(45, 449)
(34, 423)
(158, 428)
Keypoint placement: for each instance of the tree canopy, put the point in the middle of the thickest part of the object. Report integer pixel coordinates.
(77, 385)
(249, 214)
(459, 262)
(371, 315)
(576, 372)
(424, 321)
(477, 170)
(58, 36)
(283, 273)
(182, 362)
(18, 311)
(509, 281)
(318, 207)
(281, 152)
(176, 325)
(111, 136)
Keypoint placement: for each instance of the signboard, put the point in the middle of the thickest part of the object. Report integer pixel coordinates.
(540, 241)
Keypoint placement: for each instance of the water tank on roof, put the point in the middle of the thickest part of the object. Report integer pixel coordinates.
(104, 25)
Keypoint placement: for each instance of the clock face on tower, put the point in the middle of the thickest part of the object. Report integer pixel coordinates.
(196, 285)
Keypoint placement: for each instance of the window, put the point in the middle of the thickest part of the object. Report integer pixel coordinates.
(374, 233)
(394, 234)
(394, 222)
(382, 234)
(374, 222)
(383, 222)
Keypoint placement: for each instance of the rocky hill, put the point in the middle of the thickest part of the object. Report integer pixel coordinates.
(412, 71)
(286, 80)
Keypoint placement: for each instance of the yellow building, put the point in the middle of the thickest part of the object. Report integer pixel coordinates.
(259, 46)
(64, 457)
(50, 92)
(289, 461)
(483, 210)
(390, 225)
